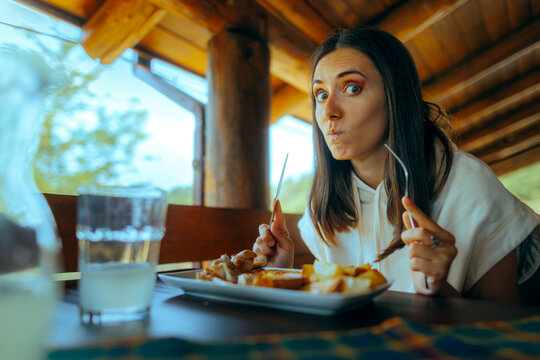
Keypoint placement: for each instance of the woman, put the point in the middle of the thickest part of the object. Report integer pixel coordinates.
(470, 236)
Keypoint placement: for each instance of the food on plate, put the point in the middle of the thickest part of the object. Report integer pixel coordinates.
(228, 268)
(326, 278)
(284, 279)
(247, 268)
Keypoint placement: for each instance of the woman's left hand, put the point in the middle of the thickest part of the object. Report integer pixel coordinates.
(431, 250)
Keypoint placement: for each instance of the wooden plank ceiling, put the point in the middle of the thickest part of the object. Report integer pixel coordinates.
(477, 58)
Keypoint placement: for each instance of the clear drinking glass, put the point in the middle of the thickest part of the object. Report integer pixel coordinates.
(119, 231)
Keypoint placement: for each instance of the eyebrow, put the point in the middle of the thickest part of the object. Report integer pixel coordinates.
(342, 74)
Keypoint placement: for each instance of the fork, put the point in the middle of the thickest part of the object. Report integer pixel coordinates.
(406, 192)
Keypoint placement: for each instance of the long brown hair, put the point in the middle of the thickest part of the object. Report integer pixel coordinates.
(413, 127)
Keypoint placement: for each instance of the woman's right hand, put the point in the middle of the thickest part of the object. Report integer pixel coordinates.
(274, 242)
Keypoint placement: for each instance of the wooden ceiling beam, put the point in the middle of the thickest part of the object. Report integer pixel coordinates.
(518, 161)
(521, 49)
(526, 120)
(288, 48)
(303, 111)
(415, 16)
(521, 92)
(174, 50)
(74, 15)
(301, 15)
(292, 67)
(511, 150)
(116, 26)
(284, 101)
(201, 12)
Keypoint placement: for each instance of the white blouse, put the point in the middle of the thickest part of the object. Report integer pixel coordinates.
(486, 220)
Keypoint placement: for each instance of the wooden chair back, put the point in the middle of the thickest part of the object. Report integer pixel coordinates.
(193, 233)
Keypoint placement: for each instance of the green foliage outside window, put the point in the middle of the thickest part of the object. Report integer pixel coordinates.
(525, 184)
(83, 140)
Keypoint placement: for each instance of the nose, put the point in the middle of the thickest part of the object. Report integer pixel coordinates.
(332, 109)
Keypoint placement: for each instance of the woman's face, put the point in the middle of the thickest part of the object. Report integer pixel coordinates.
(350, 104)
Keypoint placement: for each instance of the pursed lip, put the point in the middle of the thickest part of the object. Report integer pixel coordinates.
(334, 134)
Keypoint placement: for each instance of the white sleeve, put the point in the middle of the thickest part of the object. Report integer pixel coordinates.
(528, 256)
(310, 236)
(487, 221)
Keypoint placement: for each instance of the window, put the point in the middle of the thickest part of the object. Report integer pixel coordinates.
(106, 125)
(290, 135)
(103, 124)
(525, 184)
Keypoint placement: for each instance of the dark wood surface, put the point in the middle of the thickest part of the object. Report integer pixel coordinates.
(193, 233)
(176, 315)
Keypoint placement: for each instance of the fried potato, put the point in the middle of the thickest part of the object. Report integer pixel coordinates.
(374, 276)
(307, 270)
(361, 269)
(327, 286)
(273, 278)
(327, 270)
(325, 278)
(246, 268)
(355, 285)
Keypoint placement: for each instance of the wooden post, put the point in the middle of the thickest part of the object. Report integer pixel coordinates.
(238, 119)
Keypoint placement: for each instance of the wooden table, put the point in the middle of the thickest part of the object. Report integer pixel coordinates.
(176, 315)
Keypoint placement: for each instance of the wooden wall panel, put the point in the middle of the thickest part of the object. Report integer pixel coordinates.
(193, 233)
